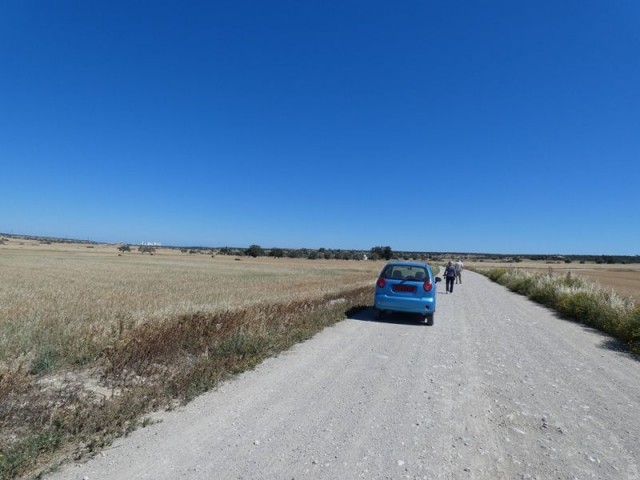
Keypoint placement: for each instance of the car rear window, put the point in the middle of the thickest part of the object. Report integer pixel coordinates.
(406, 272)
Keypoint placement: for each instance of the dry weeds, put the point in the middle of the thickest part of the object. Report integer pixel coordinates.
(623, 279)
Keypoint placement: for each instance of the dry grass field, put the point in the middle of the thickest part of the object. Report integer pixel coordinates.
(623, 279)
(73, 297)
(91, 339)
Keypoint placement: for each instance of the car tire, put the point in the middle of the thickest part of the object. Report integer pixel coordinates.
(428, 319)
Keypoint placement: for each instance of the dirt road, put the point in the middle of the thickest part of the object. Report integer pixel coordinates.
(499, 388)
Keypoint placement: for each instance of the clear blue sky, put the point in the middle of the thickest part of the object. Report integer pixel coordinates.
(478, 126)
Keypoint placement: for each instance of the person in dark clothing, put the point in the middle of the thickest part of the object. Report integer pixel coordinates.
(450, 275)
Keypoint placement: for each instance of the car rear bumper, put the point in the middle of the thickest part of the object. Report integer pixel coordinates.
(421, 306)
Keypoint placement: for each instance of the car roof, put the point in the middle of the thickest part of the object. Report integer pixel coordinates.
(408, 264)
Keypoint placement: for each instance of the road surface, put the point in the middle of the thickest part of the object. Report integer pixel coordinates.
(498, 388)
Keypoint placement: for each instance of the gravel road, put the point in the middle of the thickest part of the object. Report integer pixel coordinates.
(499, 388)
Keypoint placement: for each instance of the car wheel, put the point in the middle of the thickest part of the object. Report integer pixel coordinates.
(429, 319)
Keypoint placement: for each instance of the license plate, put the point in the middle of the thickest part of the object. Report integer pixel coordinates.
(404, 288)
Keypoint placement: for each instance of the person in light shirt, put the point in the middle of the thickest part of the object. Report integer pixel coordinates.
(458, 267)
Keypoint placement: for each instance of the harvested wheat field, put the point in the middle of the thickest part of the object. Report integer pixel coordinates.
(71, 297)
(106, 336)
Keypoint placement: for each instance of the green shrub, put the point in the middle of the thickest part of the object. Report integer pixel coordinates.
(522, 285)
(545, 293)
(496, 274)
(582, 306)
(634, 329)
(43, 363)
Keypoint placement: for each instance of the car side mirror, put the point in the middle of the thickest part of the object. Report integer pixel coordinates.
(438, 279)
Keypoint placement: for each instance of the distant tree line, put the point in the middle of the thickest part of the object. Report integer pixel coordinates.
(599, 259)
(375, 253)
(48, 240)
(381, 252)
(141, 248)
(387, 253)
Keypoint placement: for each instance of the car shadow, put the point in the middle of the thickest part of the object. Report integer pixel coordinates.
(368, 314)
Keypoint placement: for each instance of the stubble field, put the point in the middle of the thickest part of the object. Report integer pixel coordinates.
(70, 297)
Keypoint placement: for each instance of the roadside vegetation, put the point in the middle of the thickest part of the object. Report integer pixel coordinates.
(578, 299)
(69, 413)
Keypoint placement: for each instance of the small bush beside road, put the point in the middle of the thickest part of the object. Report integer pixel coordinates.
(578, 299)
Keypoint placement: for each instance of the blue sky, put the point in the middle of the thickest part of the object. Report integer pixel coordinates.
(500, 126)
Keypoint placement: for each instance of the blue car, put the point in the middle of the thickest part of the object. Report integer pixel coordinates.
(408, 287)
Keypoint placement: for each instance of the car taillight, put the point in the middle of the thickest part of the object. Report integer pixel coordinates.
(427, 286)
(381, 282)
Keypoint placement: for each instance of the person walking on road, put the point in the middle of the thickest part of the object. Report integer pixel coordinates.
(450, 275)
(458, 267)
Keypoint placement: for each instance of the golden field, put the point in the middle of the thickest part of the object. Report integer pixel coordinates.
(72, 297)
